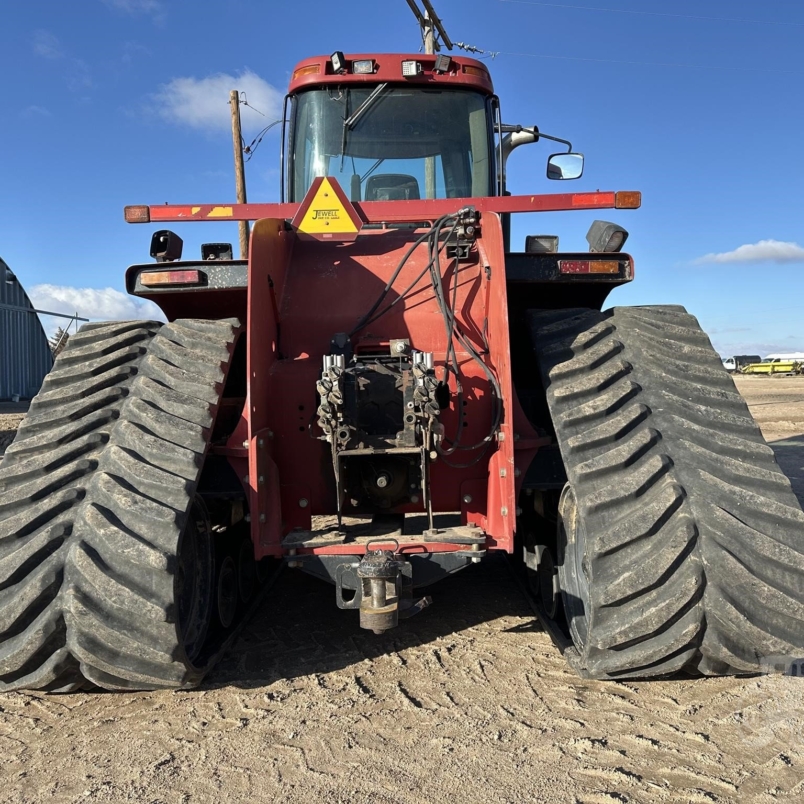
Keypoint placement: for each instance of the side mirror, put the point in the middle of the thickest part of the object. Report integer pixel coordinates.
(565, 166)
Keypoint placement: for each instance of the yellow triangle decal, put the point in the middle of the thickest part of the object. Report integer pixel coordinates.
(326, 213)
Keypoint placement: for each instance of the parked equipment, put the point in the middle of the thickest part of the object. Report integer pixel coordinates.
(774, 366)
(738, 362)
(382, 394)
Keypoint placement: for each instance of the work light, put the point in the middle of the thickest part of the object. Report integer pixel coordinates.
(605, 236)
(363, 66)
(442, 64)
(411, 69)
(541, 244)
(338, 62)
(166, 246)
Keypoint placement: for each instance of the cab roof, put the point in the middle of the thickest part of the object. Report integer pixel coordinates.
(387, 67)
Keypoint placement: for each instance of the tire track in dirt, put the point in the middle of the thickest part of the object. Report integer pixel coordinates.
(468, 702)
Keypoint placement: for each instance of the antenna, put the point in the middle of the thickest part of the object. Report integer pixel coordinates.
(429, 20)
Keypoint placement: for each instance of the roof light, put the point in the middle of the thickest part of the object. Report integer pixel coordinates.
(338, 62)
(605, 236)
(157, 278)
(541, 244)
(139, 214)
(628, 200)
(480, 72)
(363, 66)
(442, 64)
(310, 69)
(410, 69)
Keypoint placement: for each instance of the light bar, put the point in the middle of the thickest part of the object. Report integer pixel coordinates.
(410, 69)
(363, 66)
(137, 214)
(588, 267)
(310, 69)
(158, 278)
(628, 199)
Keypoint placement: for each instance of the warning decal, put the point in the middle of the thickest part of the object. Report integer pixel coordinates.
(326, 213)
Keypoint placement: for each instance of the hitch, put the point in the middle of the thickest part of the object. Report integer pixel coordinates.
(384, 588)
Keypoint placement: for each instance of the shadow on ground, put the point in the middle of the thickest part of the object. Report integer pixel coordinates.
(298, 630)
(789, 454)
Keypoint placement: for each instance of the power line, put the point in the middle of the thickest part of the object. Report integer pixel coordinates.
(653, 13)
(650, 63)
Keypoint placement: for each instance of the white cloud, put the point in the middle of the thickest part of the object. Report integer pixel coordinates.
(153, 7)
(78, 76)
(35, 111)
(133, 51)
(75, 72)
(204, 102)
(763, 251)
(46, 45)
(97, 304)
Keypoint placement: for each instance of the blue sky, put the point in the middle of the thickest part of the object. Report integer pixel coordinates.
(696, 103)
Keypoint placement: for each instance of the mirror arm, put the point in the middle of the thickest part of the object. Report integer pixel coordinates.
(558, 139)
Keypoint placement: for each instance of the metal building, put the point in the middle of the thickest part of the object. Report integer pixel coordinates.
(25, 356)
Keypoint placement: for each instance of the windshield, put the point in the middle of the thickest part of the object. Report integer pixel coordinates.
(404, 143)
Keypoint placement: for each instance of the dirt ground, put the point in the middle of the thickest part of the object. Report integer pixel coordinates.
(469, 702)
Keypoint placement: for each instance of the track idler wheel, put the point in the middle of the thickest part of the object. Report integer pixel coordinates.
(193, 584)
(542, 578)
(227, 592)
(246, 571)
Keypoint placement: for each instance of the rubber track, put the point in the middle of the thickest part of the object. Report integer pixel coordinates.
(94, 495)
(695, 540)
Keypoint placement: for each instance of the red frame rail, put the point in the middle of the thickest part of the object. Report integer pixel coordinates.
(390, 211)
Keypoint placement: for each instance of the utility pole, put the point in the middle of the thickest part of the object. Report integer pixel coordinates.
(429, 24)
(429, 161)
(429, 35)
(240, 173)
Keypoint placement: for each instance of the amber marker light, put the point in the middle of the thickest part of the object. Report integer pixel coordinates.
(310, 69)
(604, 267)
(588, 267)
(140, 214)
(630, 199)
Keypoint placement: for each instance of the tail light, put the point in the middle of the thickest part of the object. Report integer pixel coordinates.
(152, 279)
(588, 267)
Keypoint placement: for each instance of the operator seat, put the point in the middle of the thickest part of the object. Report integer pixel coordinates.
(392, 187)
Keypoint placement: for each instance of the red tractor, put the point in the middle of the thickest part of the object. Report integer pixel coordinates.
(380, 395)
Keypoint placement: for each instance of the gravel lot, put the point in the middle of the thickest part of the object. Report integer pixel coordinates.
(469, 702)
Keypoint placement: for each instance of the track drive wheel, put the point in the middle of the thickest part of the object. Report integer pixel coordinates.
(106, 551)
(681, 543)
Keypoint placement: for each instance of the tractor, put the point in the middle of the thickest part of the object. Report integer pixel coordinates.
(380, 395)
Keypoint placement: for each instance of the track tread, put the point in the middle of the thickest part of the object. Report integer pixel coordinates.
(694, 546)
(96, 490)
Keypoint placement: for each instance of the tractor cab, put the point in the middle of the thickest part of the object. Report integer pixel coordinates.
(392, 127)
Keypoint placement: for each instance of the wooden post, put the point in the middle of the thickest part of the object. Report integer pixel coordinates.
(240, 174)
(429, 162)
